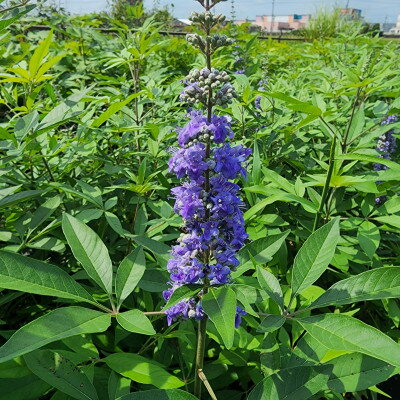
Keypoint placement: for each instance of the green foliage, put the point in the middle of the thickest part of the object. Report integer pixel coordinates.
(87, 118)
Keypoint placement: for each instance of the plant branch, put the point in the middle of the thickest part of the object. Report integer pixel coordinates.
(327, 183)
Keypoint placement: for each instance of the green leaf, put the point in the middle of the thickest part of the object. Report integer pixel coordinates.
(57, 324)
(61, 373)
(26, 124)
(142, 370)
(345, 333)
(90, 251)
(356, 372)
(160, 250)
(379, 283)
(136, 321)
(369, 237)
(39, 54)
(357, 124)
(285, 197)
(260, 251)
(159, 395)
(20, 197)
(220, 306)
(270, 284)
(14, 15)
(129, 273)
(371, 159)
(63, 112)
(271, 323)
(291, 384)
(182, 293)
(314, 256)
(393, 220)
(26, 274)
(114, 108)
(118, 386)
(44, 211)
(29, 387)
(296, 105)
(15, 368)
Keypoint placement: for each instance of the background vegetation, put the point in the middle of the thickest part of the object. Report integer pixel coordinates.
(87, 118)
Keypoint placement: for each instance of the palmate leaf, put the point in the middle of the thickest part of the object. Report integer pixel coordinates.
(292, 384)
(61, 373)
(26, 274)
(220, 306)
(379, 283)
(344, 333)
(314, 256)
(142, 370)
(57, 324)
(90, 251)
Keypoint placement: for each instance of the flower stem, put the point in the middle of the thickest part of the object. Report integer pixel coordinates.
(201, 345)
(202, 325)
(327, 183)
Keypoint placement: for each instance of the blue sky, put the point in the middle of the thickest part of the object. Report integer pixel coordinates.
(373, 10)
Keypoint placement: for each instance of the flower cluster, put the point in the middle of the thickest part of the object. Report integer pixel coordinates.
(262, 87)
(239, 62)
(200, 85)
(386, 146)
(214, 226)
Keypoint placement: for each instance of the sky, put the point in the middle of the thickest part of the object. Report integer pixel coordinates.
(373, 10)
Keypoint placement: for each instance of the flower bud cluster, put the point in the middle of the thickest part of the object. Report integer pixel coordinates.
(210, 43)
(217, 41)
(207, 19)
(196, 40)
(203, 82)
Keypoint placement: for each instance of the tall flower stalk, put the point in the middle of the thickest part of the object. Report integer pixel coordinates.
(207, 199)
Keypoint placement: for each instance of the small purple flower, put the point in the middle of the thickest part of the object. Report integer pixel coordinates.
(240, 72)
(238, 317)
(229, 160)
(189, 162)
(219, 274)
(219, 128)
(189, 201)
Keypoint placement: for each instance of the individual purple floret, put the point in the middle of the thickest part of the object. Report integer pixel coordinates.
(238, 318)
(386, 146)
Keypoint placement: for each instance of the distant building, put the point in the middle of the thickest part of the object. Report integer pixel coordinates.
(351, 13)
(278, 23)
(181, 23)
(387, 26)
(396, 30)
